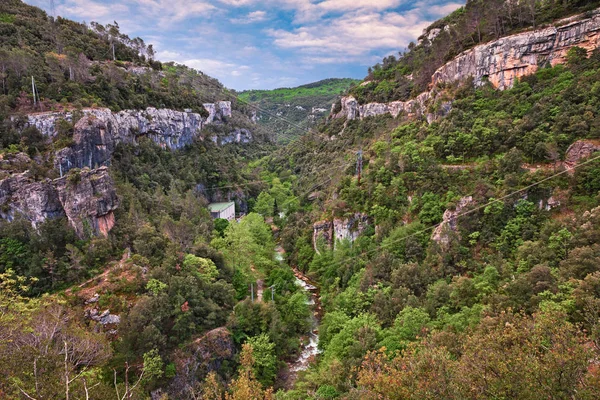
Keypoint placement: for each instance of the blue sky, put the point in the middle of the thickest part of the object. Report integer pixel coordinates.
(265, 44)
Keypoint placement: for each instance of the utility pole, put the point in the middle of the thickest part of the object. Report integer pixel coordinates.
(252, 291)
(359, 164)
(33, 90)
(53, 9)
(113, 51)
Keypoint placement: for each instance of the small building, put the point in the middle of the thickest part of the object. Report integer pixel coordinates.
(222, 210)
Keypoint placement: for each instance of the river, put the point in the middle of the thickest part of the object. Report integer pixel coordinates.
(310, 347)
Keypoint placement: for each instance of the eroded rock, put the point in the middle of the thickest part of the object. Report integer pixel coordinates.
(197, 360)
(87, 199)
(329, 233)
(450, 222)
(502, 61)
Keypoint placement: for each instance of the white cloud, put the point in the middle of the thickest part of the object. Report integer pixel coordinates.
(251, 18)
(354, 35)
(89, 9)
(170, 12)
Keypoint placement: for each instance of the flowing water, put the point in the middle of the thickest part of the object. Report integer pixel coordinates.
(311, 349)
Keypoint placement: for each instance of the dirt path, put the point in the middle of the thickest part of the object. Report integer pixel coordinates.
(259, 290)
(102, 276)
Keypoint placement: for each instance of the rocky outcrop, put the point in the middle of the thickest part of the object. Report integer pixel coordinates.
(580, 150)
(36, 201)
(87, 198)
(504, 60)
(329, 233)
(417, 107)
(197, 360)
(218, 112)
(500, 62)
(99, 131)
(450, 222)
(239, 135)
(322, 234)
(350, 228)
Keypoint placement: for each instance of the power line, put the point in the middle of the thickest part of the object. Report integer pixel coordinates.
(471, 211)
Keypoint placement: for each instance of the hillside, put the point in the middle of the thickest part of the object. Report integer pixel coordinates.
(436, 237)
(292, 111)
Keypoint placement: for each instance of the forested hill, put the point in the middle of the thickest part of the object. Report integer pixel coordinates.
(80, 65)
(446, 215)
(293, 111)
(452, 225)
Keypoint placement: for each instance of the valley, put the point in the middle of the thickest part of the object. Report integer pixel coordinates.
(430, 232)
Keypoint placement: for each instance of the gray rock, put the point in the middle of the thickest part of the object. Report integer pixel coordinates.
(330, 233)
(110, 319)
(502, 61)
(93, 299)
(450, 222)
(88, 197)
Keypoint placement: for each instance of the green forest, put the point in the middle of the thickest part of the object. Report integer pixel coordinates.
(457, 258)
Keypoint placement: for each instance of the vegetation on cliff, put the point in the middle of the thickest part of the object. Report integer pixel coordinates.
(479, 21)
(476, 273)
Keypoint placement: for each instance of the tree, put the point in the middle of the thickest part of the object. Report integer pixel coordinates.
(245, 386)
(265, 359)
(205, 267)
(264, 204)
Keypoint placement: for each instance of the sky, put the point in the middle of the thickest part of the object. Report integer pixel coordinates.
(266, 44)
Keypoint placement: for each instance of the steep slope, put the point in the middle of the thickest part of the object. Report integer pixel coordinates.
(442, 224)
(500, 63)
(292, 111)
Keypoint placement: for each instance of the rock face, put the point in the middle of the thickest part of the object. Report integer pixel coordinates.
(322, 233)
(580, 150)
(500, 62)
(37, 201)
(99, 131)
(329, 233)
(417, 107)
(197, 360)
(449, 222)
(350, 228)
(87, 199)
(239, 135)
(504, 60)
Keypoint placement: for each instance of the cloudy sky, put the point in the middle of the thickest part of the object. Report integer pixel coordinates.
(264, 44)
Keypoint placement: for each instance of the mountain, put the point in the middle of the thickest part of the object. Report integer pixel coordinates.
(292, 111)
(436, 236)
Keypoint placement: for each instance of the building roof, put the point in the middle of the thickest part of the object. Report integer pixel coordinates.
(218, 207)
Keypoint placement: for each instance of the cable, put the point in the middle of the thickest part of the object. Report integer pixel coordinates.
(381, 246)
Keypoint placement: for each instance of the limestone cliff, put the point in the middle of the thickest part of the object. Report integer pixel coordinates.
(500, 62)
(441, 234)
(504, 60)
(417, 107)
(87, 198)
(99, 131)
(329, 233)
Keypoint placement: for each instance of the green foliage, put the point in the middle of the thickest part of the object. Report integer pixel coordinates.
(155, 287)
(153, 365)
(265, 359)
(204, 267)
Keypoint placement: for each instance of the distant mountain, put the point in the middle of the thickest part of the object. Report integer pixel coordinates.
(302, 106)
